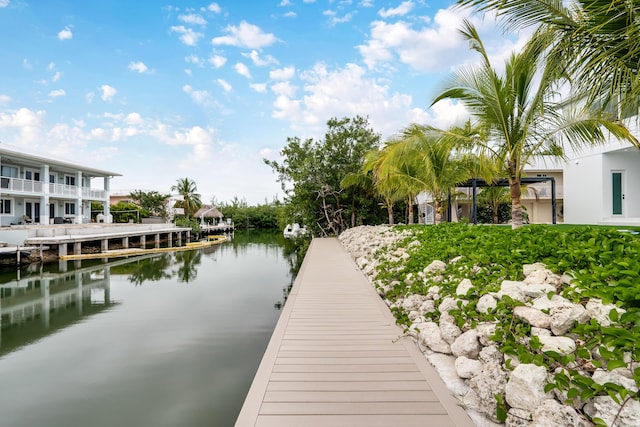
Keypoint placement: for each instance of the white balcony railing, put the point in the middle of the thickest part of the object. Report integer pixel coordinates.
(30, 187)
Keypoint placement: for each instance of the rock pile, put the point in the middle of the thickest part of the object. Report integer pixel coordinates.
(477, 373)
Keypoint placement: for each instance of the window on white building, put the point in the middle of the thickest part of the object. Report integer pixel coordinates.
(69, 208)
(5, 206)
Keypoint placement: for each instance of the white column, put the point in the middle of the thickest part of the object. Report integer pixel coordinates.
(78, 216)
(106, 200)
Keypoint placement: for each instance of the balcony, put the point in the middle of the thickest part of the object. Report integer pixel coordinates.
(27, 187)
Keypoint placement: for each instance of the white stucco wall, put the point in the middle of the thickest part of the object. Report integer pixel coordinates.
(628, 162)
(583, 190)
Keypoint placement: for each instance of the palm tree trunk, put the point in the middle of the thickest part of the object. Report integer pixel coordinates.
(390, 212)
(516, 205)
(410, 206)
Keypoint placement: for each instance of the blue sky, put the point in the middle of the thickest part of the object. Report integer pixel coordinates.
(159, 91)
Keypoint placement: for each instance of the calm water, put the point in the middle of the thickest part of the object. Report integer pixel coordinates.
(170, 340)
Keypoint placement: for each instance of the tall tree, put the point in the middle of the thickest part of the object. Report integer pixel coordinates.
(311, 171)
(595, 40)
(187, 188)
(519, 113)
(151, 201)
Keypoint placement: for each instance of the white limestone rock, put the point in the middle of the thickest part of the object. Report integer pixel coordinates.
(532, 316)
(444, 364)
(491, 380)
(512, 289)
(550, 413)
(545, 303)
(605, 408)
(528, 269)
(486, 303)
(601, 376)
(538, 289)
(464, 287)
(467, 345)
(485, 330)
(491, 354)
(563, 318)
(427, 306)
(536, 332)
(525, 388)
(435, 267)
(561, 345)
(467, 368)
(431, 337)
(518, 418)
(600, 312)
(447, 304)
(448, 328)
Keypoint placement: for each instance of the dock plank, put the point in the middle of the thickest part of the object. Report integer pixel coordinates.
(335, 359)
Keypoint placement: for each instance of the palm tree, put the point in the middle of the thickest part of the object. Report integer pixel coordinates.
(187, 188)
(373, 173)
(596, 40)
(519, 114)
(429, 162)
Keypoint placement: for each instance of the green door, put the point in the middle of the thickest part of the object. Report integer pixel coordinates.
(616, 179)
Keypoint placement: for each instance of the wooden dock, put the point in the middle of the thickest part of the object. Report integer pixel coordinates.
(335, 359)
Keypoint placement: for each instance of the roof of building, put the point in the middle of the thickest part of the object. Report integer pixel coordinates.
(9, 152)
(208, 211)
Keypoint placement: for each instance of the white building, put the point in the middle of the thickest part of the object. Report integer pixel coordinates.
(39, 190)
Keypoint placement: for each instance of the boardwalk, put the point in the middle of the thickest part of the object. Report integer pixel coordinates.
(333, 359)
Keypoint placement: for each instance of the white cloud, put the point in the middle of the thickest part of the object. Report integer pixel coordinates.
(24, 126)
(108, 93)
(243, 70)
(134, 119)
(23, 117)
(89, 97)
(285, 73)
(187, 35)
(434, 47)
(335, 19)
(225, 85)
(284, 88)
(290, 15)
(345, 92)
(245, 35)
(65, 34)
(4, 99)
(259, 87)
(139, 67)
(285, 3)
(56, 76)
(366, 3)
(57, 93)
(261, 62)
(404, 8)
(26, 64)
(217, 61)
(214, 7)
(200, 97)
(194, 59)
(4, 3)
(51, 66)
(193, 19)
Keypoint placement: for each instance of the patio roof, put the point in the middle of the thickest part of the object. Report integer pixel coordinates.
(504, 182)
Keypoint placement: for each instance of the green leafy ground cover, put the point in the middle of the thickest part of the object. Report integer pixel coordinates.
(603, 262)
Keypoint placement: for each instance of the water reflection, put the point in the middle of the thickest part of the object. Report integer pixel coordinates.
(36, 305)
(164, 340)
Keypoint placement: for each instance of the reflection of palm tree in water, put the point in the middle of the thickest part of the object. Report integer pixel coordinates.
(149, 270)
(190, 260)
